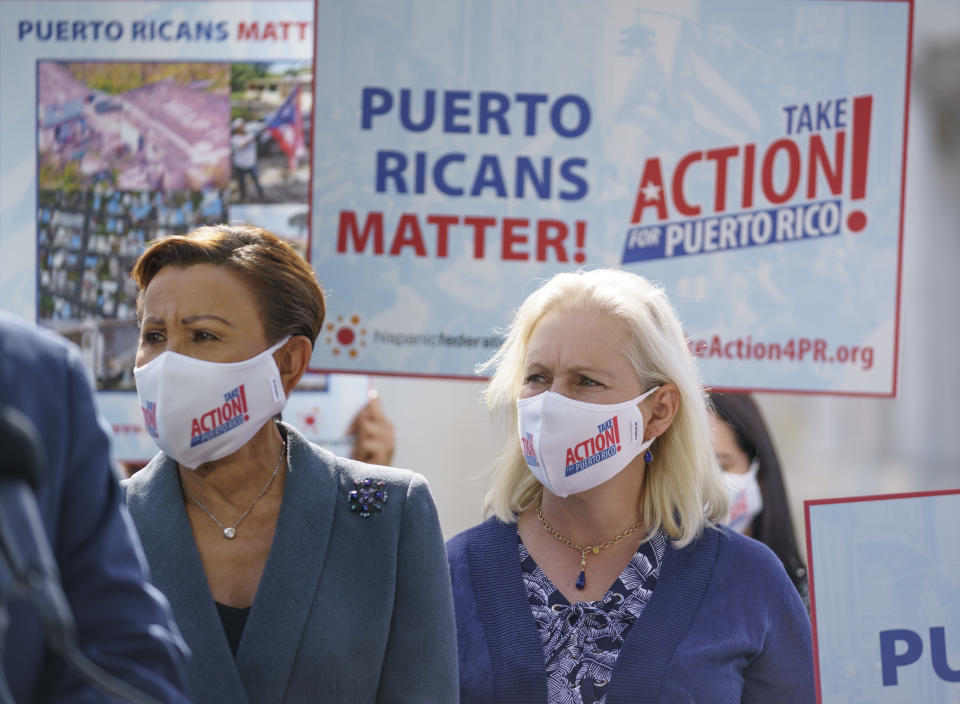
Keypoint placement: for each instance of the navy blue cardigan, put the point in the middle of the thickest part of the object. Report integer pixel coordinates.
(724, 625)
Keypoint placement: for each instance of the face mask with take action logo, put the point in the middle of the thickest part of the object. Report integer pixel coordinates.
(746, 499)
(198, 411)
(572, 446)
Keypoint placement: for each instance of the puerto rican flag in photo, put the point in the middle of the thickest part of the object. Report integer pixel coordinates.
(286, 127)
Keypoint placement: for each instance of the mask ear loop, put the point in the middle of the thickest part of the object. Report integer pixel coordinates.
(648, 455)
(273, 349)
(278, 417)
(281, 343)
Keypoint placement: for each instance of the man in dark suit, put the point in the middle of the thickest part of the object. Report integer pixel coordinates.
(123, 622)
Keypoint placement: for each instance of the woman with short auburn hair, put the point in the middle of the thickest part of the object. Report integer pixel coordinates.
(289, 299)
(294, 575)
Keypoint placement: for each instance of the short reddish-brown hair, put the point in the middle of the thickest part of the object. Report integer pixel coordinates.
(289, 299)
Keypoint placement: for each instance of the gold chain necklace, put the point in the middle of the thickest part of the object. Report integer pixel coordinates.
(595, 549)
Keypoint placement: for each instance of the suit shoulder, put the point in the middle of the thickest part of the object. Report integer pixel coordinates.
(31, 344)
(354, 470)
(138, 485)
(346, 470)
(747, 553)
(31, 357)
(481, 533)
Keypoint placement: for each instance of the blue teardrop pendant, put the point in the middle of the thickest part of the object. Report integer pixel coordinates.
(582, 580)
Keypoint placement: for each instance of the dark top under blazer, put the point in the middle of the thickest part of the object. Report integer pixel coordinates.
(724, 625)
(348, 609)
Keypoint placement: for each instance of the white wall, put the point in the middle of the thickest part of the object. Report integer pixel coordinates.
(445, 433)
(830, 447)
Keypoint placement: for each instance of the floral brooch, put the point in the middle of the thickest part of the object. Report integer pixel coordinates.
(367, 496)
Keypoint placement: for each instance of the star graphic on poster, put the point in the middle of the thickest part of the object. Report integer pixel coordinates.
(651, 192)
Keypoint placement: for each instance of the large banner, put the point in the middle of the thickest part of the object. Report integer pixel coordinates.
(121, 122)
(747, 154)
(884, 579)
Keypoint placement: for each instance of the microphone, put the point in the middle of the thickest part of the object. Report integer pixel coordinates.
(32, 569)
(28, 569)
(22, 452)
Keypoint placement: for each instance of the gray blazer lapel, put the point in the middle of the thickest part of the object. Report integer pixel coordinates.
(176, 570)
(288, 586)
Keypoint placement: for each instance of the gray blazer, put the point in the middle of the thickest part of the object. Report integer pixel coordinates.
(349, 609)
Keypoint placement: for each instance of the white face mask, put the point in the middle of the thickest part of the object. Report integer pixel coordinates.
(571, 446)
(746, 501)
(199, 411)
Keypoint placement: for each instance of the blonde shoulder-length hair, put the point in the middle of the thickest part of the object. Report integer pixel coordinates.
(684, 490)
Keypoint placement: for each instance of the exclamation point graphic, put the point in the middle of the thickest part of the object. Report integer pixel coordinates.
(243, 403)
(580, 256)
(616, 432)
(860, 153)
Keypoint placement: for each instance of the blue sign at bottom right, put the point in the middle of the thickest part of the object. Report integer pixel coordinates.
(885, 597)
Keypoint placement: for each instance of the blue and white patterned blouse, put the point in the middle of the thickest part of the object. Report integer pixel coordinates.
(581, 641)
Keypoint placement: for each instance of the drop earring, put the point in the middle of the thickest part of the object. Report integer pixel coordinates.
(648, 457)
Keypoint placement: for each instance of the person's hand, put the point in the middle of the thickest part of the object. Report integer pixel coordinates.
(373, 434)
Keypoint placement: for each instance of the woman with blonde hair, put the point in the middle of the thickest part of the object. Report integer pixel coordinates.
(602, 574)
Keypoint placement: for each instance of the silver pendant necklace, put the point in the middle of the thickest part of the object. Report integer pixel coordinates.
(230, 532)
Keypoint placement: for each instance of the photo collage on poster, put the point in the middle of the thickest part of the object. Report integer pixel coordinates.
(131, 151)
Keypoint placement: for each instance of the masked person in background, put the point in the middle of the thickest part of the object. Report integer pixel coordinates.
(295, 575)
(751, 471)
(602, 575)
